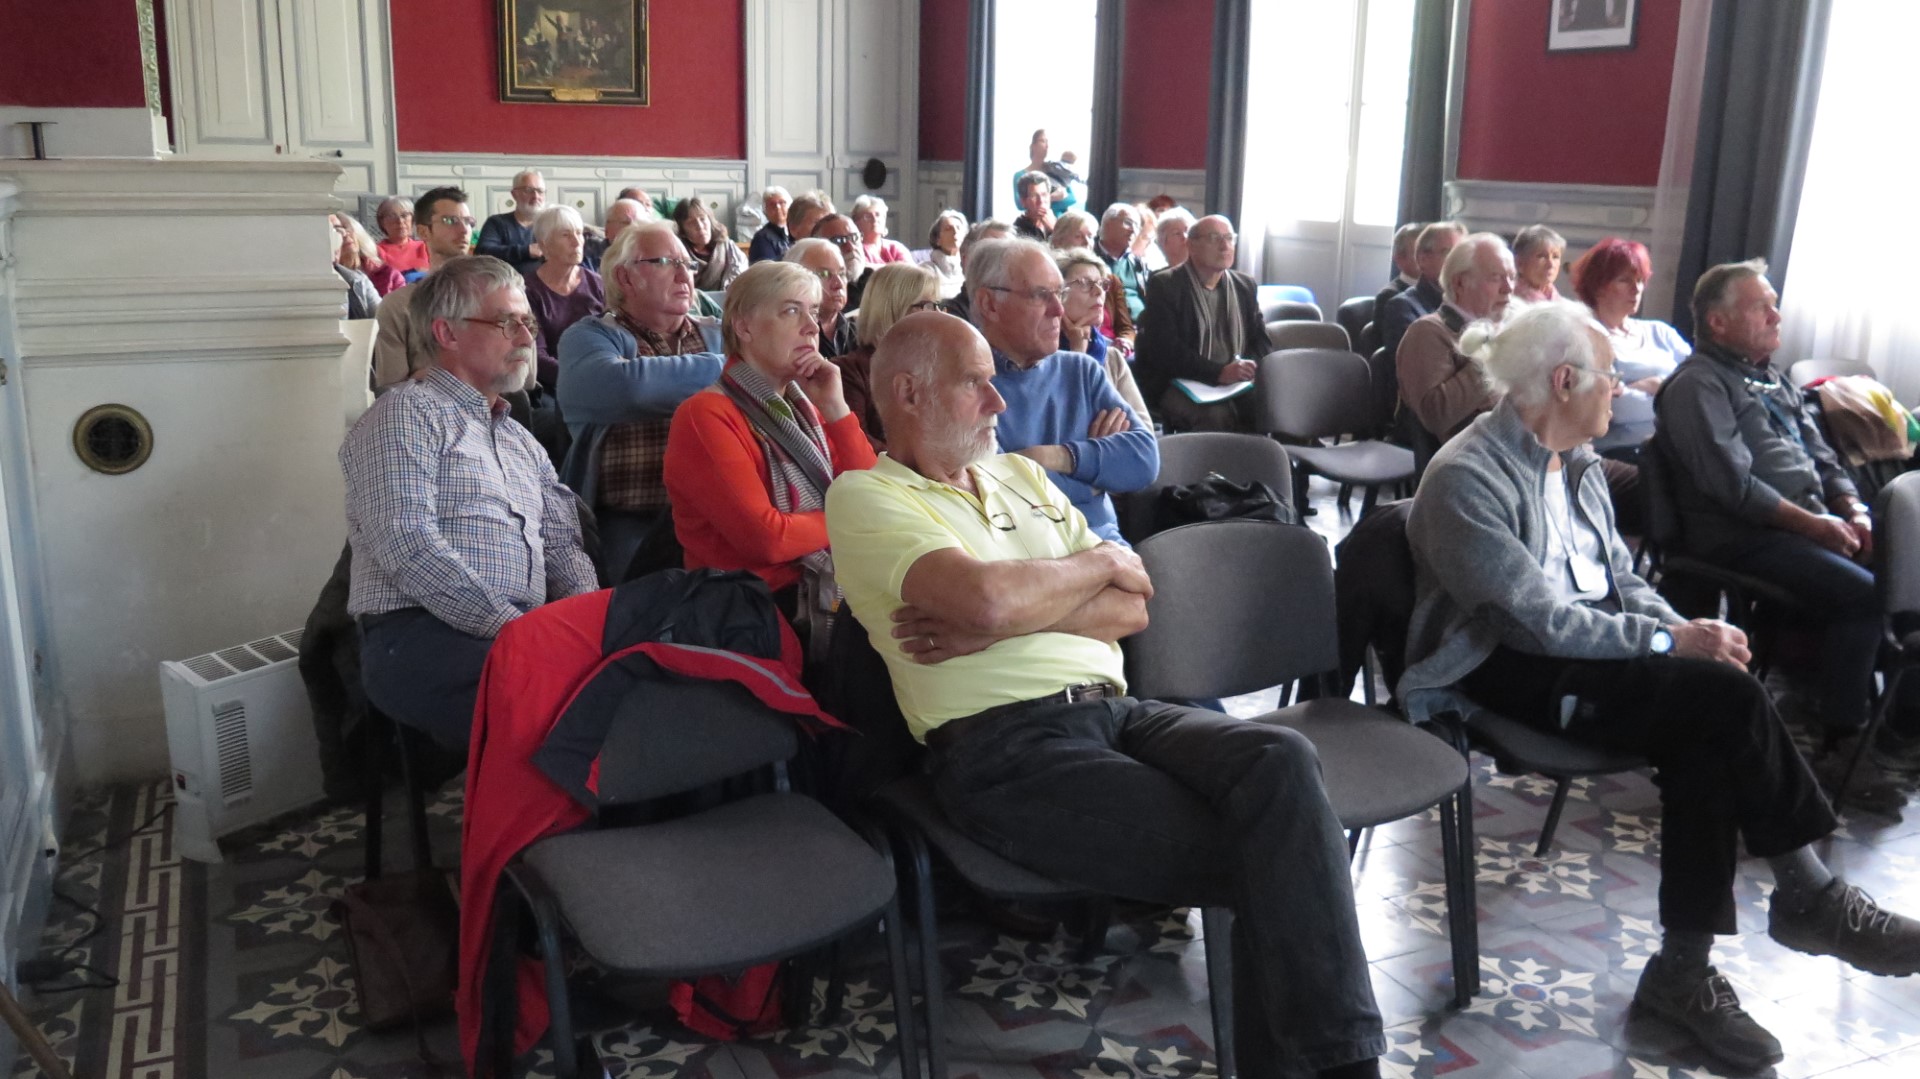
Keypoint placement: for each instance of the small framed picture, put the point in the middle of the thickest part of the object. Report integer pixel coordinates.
(1587, 25)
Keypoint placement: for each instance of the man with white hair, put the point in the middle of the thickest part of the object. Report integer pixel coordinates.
(457, 522)
(1410, 305)
(1061, 408)
(509, 236)
(998, 613)
(622, 374)
(622, 215)
(1202, 324)
(1118, 226)
(1439, 385)
(824, 258)
(771, 242)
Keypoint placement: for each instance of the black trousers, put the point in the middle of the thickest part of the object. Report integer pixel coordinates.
(1723, 761)
(422, 672)
(1178, 805)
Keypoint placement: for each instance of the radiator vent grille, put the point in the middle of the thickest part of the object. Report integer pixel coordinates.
(234, 753)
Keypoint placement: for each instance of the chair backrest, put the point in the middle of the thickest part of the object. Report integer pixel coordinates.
(1354, 315)
(1188, 458)
(1896, 544)
(1663, 513)
(1385, 380)
(1288, 333)
(671, 736)
(1308, 393)
(1269, 297)
(1238, 606)
(1291, 311)
(1806, 371)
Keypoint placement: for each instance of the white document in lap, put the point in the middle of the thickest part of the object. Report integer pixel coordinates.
(1200, 393)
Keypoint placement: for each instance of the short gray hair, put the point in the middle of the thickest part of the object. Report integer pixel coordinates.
(457, 290)
(868, 202)
(761, 284)
(1121, 209)
(1406, 236)
(1070, 257)
(1178, 215)
(1460, 259)
(1519, 360)
(959, 226)
(554, 218)
(524, 173)
(1430, 236)
(798, 252)
(987, 266)
(776, 189)
(626, 248)
(393, 204)
(1534, 236)
(1711, 292)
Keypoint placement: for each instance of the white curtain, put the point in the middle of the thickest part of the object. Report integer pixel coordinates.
(1676, 156)
(1844, 298)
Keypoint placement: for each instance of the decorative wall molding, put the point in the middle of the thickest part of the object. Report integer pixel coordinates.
(588, 184)
(1583, 213)
(939, 184)
(1187, 186)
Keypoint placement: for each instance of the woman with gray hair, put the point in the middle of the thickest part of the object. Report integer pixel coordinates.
(561, 290)
(1537, 251)
(870, 217)
(749, 458)
(942, 255)
(1087, 318)
(399, 247)
(1528, 605)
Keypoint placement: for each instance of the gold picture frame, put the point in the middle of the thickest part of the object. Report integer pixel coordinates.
(592, 52)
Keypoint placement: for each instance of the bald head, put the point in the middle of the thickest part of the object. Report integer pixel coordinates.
(932, 378)
(624, 213)
(1210, 246)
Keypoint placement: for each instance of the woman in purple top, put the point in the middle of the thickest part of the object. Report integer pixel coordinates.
(560, 290)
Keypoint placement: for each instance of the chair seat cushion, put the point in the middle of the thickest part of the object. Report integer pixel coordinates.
(911, 798)
(1362, 463)
(1376, 768)
(1522, 748)
(751, 881)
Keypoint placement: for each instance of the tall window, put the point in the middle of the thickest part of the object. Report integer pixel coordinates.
(1040, 81)
(1326, 121)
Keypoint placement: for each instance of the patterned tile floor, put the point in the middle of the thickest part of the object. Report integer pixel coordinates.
(234, 970)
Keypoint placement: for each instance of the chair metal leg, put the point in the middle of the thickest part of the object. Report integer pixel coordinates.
(1098, 915)
(1560, 788)
(380, 735)
(1216, 932)
(1369, 500)
(932, 983)
(1353, 842)
(1456, 840)
(896, 927)
(1867, 735)
(416, 802)
(546, 920)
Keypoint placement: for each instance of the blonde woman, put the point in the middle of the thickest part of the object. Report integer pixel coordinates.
(893, 292)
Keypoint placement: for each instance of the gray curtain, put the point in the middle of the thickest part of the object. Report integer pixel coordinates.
(1423, 157)
(976, 181)
(1103, 157)
(1227, 112)
(1759, 89)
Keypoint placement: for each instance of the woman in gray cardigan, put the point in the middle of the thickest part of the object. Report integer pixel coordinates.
(1528, 605)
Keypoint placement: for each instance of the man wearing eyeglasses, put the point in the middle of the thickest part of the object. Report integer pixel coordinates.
(1440, 386)
(622, 374)
(840, 231)
(824, 258)
(1062, 409)
(1202, 323)
(509, 236)
(1761, 492)
(457, 522)
(443, 221)
(998, 613)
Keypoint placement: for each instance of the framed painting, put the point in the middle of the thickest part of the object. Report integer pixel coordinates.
(1587, 25)
(574, 51)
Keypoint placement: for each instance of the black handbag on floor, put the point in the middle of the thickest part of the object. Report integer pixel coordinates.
(1217, 498)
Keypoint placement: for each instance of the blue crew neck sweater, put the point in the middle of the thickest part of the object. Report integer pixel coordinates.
(1054, 403)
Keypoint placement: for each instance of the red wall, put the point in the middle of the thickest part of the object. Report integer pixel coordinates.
(446, 87)
(943, 79)
(1165, 76)
(1570, 118)
(74, 54)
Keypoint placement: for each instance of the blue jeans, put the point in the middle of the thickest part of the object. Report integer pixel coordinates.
(422, 672)
(1840, 594)
(1176, 805)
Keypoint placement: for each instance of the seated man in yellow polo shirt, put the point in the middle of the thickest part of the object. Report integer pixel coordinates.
(998, 613)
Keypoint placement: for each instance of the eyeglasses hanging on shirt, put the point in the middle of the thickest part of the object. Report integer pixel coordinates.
(1004, 521)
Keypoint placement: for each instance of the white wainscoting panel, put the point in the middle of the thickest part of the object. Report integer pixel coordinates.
(1188, 186)
(1583, 213)
(939, 184)
(588, 184)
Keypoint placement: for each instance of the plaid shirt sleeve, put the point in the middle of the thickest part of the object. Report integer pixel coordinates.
(391, 470)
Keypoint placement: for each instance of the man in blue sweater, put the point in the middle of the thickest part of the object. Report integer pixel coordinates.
(1062, 410)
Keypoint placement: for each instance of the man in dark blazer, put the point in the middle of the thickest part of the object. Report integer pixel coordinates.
(1406, 268)
(1424, 298)
(1202, 323)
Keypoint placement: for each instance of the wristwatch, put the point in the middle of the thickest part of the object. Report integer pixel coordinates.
(1662, 643)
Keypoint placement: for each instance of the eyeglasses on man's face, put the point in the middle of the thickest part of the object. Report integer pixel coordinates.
(509, 325)
(841, 241)
(1036, 294)
(1224, 239)
(827, 277)
(451, 221)
(668, 261)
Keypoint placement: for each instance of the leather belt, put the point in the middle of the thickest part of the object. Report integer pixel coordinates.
(1085, 691)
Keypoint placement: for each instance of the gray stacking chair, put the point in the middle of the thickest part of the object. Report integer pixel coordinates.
(1288, 333)
(1354, 316)
(908, 806)
(1241, 606)
(1307, 394)
(1896, 573)
(1290, 311)
(1189, 458)
(1805, 371)
(762, 878)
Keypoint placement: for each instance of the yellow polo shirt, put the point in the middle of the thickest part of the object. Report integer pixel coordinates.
(882, 520)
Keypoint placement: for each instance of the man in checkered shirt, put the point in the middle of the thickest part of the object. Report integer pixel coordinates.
(457, 521)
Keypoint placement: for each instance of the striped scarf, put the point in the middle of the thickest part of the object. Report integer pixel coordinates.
(1203, 307)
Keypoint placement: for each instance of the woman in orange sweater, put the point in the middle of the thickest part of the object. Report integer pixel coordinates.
(750, 457)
